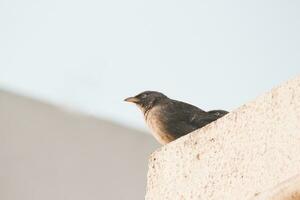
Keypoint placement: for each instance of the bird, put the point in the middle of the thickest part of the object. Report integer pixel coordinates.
(169, 119)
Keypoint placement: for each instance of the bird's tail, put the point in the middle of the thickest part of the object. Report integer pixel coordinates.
(218, 113)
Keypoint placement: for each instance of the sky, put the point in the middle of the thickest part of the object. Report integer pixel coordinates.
(90, 55)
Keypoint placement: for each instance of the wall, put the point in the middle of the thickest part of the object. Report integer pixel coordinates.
(241, 155)
(48, 153)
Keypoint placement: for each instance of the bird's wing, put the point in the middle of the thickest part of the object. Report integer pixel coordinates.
(177, 117)
(201, 120)
(181, 118)
(186, 108)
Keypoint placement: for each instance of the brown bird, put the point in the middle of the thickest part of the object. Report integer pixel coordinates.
(170, 119)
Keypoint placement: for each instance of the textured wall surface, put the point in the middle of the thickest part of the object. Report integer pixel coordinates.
(254, 148)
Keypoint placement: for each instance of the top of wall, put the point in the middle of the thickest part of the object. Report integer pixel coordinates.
(248, 151)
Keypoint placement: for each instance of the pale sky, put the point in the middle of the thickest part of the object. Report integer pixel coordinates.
(91, 54)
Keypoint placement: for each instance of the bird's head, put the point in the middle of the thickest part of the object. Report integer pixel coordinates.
(147, 100)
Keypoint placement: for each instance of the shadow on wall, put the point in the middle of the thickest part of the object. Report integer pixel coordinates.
(288, 190)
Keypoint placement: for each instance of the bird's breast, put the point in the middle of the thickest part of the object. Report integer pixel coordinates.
(155, 122)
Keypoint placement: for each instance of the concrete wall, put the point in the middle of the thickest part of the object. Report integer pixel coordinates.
(47, 153)
(254, 149)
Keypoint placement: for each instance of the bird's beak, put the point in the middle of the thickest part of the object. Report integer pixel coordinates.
(132, 99)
